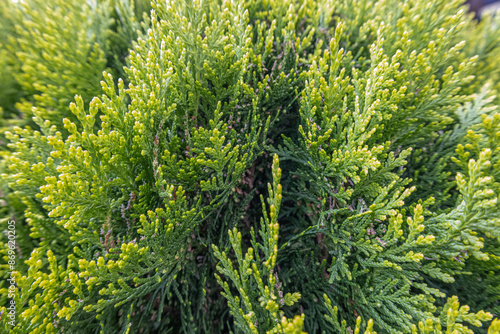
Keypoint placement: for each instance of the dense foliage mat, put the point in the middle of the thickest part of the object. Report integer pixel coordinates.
(251, 166)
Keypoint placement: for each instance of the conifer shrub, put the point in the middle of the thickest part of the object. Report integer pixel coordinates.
(251, 166)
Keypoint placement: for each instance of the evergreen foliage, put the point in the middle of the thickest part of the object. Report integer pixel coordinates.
(252, 166)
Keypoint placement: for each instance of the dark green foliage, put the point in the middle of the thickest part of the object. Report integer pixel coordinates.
(250, 166)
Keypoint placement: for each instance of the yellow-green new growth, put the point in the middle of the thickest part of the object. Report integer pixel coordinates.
(256, 272)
